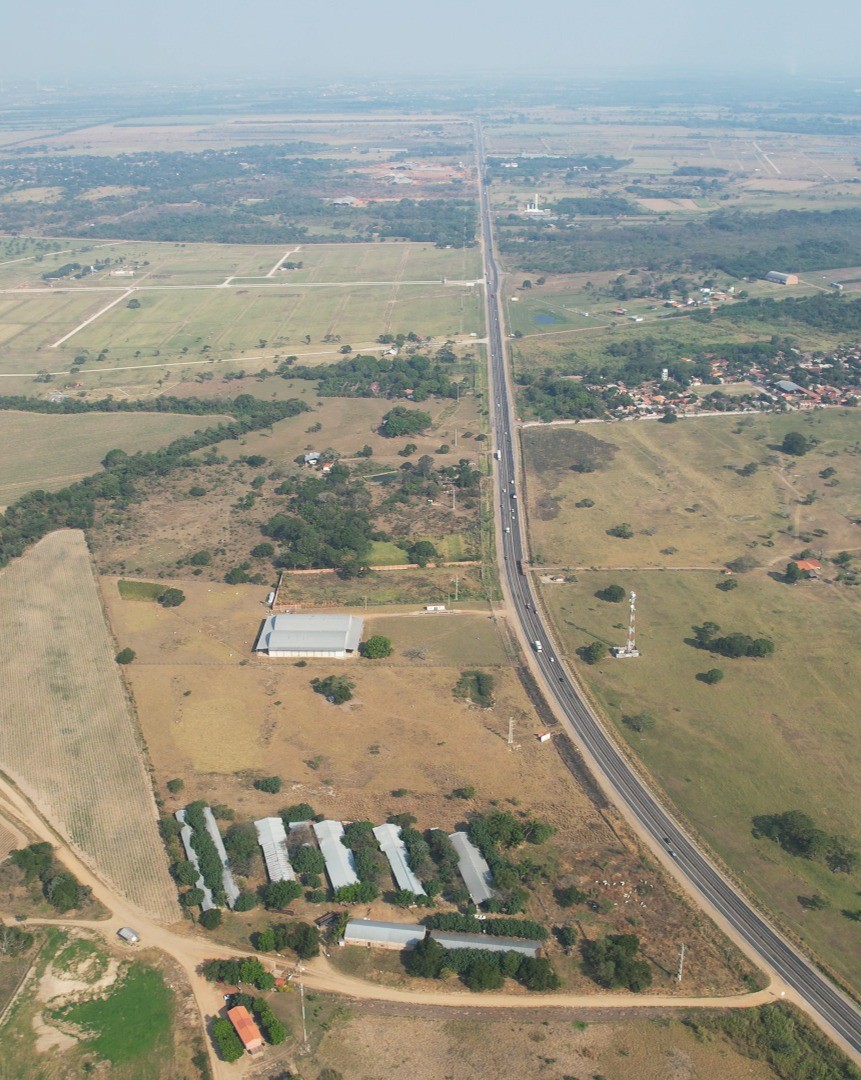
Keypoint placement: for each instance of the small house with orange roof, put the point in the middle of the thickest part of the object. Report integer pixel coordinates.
(246, 1029)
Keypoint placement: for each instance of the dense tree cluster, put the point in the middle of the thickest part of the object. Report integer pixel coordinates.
(612, 962)
(468, 924)
(248, 971)
(59, 887)
(797, 834)
(371, 376)
(481, 970)
(733, 645)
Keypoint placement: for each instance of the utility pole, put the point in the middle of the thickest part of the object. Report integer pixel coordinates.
(455, 436)
(511, 731)
(454, 498)
(456, 587)
(305, 1045)
(681, 963)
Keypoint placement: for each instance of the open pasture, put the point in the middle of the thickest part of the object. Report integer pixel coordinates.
(67, 737)
(42, 451)
(779, 733)
(166, 325)
(678, 487)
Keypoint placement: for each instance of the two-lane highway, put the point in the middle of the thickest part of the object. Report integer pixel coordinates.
(832, 1010)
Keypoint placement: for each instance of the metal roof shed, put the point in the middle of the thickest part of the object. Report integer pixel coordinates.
(486, 942)
(310, 635)
(185, 834)
(392, 846)
(272, 837)
(383, 935)
(340, 865)
(472, 867)
(231, 889)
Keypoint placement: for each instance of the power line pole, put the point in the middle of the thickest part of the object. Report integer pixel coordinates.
(305, 1045)
(681, 963)
(511, 731)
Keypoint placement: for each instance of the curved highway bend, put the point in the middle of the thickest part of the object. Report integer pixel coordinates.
(839, 1016)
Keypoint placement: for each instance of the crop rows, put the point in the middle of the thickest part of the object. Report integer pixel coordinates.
(66, 733)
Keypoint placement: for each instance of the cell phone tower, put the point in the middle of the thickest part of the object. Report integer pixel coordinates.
(630, 646)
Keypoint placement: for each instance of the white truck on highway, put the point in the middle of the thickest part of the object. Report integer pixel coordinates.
(536, 645)
(498, 455)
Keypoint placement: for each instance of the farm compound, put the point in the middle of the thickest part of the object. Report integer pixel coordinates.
(383, 935)
(392, 846)
(330, 636)
(272, 837)
(473, 868)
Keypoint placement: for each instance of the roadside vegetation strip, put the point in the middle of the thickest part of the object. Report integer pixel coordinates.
(66, 734)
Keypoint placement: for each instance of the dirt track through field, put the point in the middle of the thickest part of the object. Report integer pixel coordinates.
(67, 736)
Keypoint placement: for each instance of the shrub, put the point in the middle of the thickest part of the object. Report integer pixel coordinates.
(711, 677)
(200, 558)
(297, 812)
(270, 784)
(622, 531)
(246, 901)
(593, 653)
(171, 598)
(640, 722)
(125, 656)
(192, 898)
(229, 1044)
(795, 443)
(175, 786)
(335, 688)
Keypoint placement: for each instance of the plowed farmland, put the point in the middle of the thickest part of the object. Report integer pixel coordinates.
(66, 732)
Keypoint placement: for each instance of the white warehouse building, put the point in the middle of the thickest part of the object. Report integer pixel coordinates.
(331, 636)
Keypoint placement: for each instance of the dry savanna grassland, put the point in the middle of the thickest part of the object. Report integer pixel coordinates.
(152, 537)
(47, 452)
(84, 1007)
(217, 717)
(67, 737)
(777, 733)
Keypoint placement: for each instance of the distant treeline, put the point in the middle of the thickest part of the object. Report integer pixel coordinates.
(833, 313)
(738, 243)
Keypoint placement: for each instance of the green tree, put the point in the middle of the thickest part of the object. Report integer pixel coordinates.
(795, 443)
(210, 920)
(171, 598)
(278, 895)
(422, 552)
(175, 786)
(483, 974)
(612, 594)
(192, 898)
(125, 656)
(712, 676)
(377, 647)
(229, 1044)
(623, 531)
(426, 960)
(594, 652)
(185, 872)
(335, 688)
(401, 421)
(793, 573)
(270, 784)
(200, 558)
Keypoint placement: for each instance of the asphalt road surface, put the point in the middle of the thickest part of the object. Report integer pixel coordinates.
(835, 1012)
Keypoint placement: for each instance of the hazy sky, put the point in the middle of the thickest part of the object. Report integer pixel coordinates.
(190, 39)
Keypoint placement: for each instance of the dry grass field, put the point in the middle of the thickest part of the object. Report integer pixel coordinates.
(678, 487)
(779, 733)
(217, 717)
(366, 1046)
(41, 451)
(67, 737)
